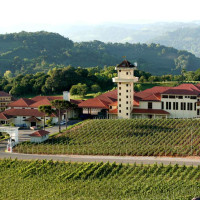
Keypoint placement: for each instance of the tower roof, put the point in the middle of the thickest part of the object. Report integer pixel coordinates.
(126, 64)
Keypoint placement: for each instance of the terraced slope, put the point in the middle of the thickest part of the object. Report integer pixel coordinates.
(141, 137)
(49, 180)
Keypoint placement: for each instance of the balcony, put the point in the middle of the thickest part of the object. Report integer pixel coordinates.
(125, 80)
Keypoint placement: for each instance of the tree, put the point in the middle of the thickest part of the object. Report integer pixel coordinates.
(8, 75)
(79, 89)
(95, 88)
(60, 105)
(47, 110)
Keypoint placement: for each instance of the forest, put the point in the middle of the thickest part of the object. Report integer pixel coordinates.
(32, 52)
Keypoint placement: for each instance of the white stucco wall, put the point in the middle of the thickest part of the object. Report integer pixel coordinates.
(92, 111)
(180, 113)
(39, 139)
(155, 105)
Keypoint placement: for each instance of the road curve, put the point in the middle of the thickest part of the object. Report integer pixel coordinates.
(117, 159)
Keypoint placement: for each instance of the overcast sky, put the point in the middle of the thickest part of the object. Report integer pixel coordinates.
(27, 14)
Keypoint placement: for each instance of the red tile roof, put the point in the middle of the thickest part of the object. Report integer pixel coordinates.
(33, 119)
(39, 133)
(4, 116)
(94, 103)
(150, 111)
(153, 90)
(23, 102)
(125, 64)
(152, 97)
(101, 101)
(113, 103)
(114, 111)
(25, 112)
(44, 101)
(4, 94)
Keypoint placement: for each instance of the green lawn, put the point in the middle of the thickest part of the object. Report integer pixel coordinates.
(41, 180)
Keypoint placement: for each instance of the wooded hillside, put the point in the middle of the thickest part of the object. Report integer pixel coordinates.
(40, 51)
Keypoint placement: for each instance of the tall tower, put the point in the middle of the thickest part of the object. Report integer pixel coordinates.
(125, 88)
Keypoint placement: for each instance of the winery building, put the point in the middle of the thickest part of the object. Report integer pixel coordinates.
(182, 101)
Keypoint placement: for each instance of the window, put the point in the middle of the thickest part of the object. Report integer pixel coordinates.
(119, 99)
(176, 105)
(120, 83)
(127, 102)
(127, 114)
(126, 85)
(171, 96)
(119, 70)
(184, 106)
(162, 105)
(119, 111)
(126, 96)
(195, 106)
(150, 105)
(191, 106)
(126, 73)
(167, 105)
(119, 105)
(119, 88)
(180, 97)
(126, 108)
(165, 96)
(181, 105)
(110, 107)
(193, 97)
(198, 112)
(126, 90)
(119, 94)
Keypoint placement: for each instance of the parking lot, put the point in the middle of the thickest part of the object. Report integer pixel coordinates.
(24, 134)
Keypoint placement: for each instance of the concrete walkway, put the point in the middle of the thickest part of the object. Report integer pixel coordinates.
(117, 159)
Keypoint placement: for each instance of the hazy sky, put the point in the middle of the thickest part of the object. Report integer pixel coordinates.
(30, 13)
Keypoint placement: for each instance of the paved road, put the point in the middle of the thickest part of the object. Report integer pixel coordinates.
(24, 135)
(117, 159)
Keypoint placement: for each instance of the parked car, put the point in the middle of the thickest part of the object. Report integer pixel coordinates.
(62, 122)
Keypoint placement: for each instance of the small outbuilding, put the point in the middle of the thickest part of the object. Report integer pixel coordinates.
(39, 136)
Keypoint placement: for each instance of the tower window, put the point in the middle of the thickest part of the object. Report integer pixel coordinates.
(119, 70)
(150, 105)
(126, 96)
(119, 88)
(127, 102)
(120, 83)
(119, 99)
(126, 90)
(126, 85)
(126, 73)
(119, 105)
(119, 94)
(127, 114)
(119, 111)
(126, 108)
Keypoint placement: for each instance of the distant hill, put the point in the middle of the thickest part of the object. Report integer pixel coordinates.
(26, 52)
(186, 38)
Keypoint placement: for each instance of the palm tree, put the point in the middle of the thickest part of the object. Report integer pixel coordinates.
(61, 105)
(47, 110)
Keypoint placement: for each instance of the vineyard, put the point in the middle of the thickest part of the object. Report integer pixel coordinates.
(136, 137)
(58, 180)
